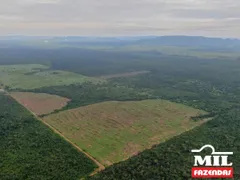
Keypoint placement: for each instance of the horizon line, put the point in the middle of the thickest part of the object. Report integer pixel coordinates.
(120, 36)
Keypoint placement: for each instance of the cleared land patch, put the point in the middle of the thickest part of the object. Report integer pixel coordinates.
(114, 131)
(127, 74)
(36, 76)
(40, 103)
(30, 150)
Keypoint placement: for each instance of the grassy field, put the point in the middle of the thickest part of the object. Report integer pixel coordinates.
(114, 131)
(40, 103)
(36, 76)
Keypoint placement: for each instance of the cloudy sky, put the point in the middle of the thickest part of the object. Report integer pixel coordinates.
(120, 17)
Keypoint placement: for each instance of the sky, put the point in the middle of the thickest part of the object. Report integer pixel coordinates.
(216, 18)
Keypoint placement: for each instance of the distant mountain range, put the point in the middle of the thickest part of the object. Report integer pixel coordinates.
(192, 41)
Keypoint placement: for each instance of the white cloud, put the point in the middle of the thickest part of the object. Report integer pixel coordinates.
(120, 17)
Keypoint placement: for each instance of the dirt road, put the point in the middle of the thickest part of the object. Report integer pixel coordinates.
(100, 166)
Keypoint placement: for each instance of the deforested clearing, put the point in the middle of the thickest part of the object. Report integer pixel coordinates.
(33, 76)
(126, 74)
(40, 103)
(30, 150)
(114, 131)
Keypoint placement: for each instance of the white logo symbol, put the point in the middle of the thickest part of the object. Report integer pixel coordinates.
(215, 159)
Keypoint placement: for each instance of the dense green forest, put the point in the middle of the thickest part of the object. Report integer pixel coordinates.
(30, 150)
(209, 84)
(173, 159)
(96, 62)
(212, 86)
(89, 93)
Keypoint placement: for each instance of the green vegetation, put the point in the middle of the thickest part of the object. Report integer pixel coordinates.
(210, 83)
(168, 50)
(30, 150)
(169, 45)
(35, 76)
(173, 159)
(114, 131)
(89, 93)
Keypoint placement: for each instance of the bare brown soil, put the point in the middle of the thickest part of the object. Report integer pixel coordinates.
(100, 166)
(128, 74)
(40, 103)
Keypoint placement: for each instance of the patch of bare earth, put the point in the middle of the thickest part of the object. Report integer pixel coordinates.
(127, 74)
(40, 103)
